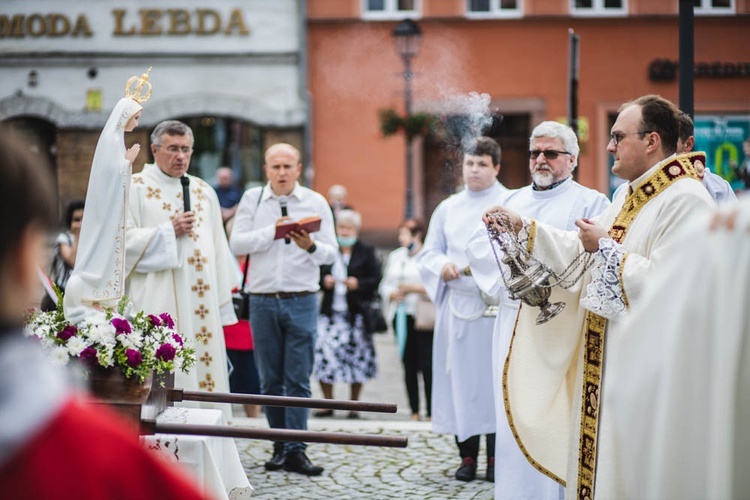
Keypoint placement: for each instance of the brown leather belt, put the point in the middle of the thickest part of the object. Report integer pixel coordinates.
(283, 295)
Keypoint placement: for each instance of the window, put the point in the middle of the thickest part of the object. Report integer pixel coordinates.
(715, 7)
(494, 8)
(391, 9)
(598, 7)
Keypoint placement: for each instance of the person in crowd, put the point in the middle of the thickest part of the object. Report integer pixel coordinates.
(462, 398)
(337, 199)
(553, 197)
(680, 395)
(243, 375)
(66, 247)
(344, 350)
(283, 283)
(228, 192)
(717, 186)
(556, 371)
(402, 290)
(178, 258)
(52, 441)
(742, 169)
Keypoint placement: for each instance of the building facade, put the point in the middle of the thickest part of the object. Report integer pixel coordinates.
(516, 52)
(233, 70)
(318, 73)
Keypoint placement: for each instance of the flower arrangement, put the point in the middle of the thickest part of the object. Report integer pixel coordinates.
(416, 124)
(136, 346)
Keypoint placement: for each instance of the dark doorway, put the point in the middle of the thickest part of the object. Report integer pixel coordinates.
(442, 155)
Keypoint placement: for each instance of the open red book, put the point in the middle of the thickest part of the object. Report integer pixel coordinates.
(309, 224)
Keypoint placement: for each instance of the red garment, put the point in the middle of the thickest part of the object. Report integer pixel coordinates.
(239, 336)
(87, 452)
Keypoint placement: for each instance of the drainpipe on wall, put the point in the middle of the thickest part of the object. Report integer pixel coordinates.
(304, 94)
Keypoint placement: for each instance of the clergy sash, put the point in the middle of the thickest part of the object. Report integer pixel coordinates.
(689, 165)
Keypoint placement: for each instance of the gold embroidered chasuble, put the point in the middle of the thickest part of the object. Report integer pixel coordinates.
(553, 376)
(190, 277)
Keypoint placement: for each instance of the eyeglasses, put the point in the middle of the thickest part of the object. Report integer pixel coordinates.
(550, 154)
(618, 136)
(173, 150)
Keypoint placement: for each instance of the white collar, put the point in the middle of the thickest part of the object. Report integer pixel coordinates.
(297, 192)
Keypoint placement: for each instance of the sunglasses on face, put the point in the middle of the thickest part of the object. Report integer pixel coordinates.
(550, 154)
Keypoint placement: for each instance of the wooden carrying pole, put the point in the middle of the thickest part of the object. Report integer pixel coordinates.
(177, 395)
(151, 427)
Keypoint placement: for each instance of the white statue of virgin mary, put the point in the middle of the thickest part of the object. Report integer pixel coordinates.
(98, 278)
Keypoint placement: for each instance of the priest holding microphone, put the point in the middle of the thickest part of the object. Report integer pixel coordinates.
(283, 281)
(178, 259)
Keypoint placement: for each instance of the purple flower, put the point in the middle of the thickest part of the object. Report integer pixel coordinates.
(167, 319)
(178, 339)
(134, 357)
(121, 326)
(154, 319)
(67, 332)
(88, 357)
(165, 352)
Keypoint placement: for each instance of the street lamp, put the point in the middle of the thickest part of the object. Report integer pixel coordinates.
(407, 36)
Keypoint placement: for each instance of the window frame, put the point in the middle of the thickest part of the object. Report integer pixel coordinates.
(495, 11)
(390, 12)
(708, 10)
(598, 10)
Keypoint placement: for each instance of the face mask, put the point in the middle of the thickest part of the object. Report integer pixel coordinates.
(347, 241)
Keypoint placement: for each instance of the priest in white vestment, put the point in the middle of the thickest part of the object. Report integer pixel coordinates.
(556, 199)
(680, 388)
(462, 399)
(555, 372)
(179, 261)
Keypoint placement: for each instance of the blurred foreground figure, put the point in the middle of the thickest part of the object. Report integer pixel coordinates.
(51, 444)
(680, 393)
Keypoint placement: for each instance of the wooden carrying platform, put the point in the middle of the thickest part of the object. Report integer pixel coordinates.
(163, 394)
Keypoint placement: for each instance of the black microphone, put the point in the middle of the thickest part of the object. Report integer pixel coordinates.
(282, 202)
(186, 191)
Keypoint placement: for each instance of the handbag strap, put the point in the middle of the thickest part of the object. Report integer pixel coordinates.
(247, 259)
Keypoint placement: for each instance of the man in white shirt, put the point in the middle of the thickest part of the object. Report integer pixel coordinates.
(283, 280)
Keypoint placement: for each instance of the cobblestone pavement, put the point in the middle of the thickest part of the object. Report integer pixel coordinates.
(422, 470)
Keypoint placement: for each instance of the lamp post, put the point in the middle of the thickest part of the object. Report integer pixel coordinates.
(407, 36)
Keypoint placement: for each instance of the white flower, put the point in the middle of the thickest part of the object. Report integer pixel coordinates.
(130, 341)
(59, 355)
(76, 345)
(102, 333)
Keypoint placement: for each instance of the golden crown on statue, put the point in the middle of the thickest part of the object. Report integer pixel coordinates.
(138, 88)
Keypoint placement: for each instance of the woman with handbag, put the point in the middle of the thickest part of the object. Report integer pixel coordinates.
(344, 349)
(411, 313)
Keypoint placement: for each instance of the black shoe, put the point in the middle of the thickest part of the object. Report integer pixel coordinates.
(277, 460)
(490, 470)
(353, 415)
(323, 413)
(468, 470)
(297, 461)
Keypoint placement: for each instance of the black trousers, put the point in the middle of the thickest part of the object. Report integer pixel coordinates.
(418, 359)
(470, 447)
